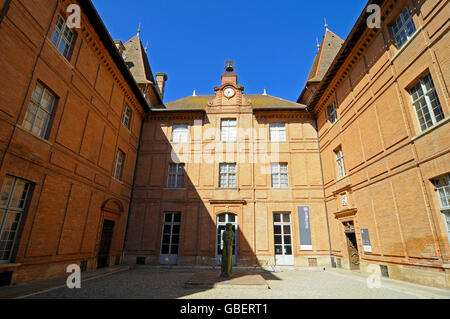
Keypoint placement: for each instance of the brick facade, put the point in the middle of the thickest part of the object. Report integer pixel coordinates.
(390, 162)
(361, 163)
(70, 169)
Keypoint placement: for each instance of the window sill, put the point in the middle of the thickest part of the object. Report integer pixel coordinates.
(34, 135)
(9, 266)
(174, 189)
(229, 189)
(431, 129)
(332, 125)
(406, 44)
(60, 54)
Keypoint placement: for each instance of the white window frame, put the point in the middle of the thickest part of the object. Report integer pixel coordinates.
(228, 175)
(400, 25)
(340, 162)
(277, 132)
(127, 114)
(175, 177)
(281, 171)
(62, 32)
(180, 133)
(228, 130)
(119, 165)
(171, 257)
(36, 109)
(423, 95)
(442, 186)
(11, 204)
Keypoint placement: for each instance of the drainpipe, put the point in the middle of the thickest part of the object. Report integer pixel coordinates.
(134, 184)
(333, 264)
(5, 10)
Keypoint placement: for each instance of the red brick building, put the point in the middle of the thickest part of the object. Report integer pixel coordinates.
(382, 107)
(70, 121)
(354, 175)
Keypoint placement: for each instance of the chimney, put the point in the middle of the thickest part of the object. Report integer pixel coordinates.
(161, 79)
(120, 47)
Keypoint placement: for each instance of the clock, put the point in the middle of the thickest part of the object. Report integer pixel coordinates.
(229, 92)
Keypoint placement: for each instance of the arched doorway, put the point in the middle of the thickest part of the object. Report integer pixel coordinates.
(222, 221)
(112, 210)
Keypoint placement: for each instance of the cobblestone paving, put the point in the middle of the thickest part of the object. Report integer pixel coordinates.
(151, 283)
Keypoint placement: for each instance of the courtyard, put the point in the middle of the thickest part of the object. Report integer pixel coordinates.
(143, 282)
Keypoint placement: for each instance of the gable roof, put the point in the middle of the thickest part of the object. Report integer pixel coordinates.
(331, 44)
(137, 61)
(355, 34)
(259, 102)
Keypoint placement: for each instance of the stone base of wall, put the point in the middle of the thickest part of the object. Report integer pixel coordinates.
(425, 276)
(24, 273)
(259, 261)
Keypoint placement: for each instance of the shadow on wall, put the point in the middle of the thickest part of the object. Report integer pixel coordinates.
(180, 226)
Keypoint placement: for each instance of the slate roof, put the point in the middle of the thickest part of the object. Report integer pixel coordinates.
(331, 44)
(259, 102)
(137, 61)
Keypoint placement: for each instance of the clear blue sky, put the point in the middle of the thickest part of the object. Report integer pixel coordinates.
(272, 42)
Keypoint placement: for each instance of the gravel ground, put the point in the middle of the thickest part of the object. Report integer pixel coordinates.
(150, 283)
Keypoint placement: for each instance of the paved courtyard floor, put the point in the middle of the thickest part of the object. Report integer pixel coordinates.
(160, 283)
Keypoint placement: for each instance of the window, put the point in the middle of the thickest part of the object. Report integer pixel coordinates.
(426, 103)
(442, 185)
(366, 240)
(176, 176)
(126, 120)
(39, 111)
(340, 162)
(170, 238)
(332, 113)
(228, 130)
(282, 235)
(227, 176)
(13, 198)
(403, 28)
(278, 132)
(180, 133)
(280, 176)
(118, 169)
(62, 37)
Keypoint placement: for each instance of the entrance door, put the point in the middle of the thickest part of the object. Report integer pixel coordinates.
(105, 244)
(222, 221)
(283, 239)
(170, 239)
(352, 245)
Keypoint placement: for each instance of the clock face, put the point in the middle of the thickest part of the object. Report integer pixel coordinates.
(229, 92)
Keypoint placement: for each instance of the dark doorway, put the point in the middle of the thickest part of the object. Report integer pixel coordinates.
(105, 244)
(352, 245)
